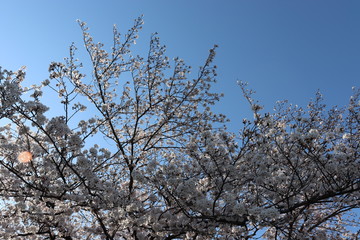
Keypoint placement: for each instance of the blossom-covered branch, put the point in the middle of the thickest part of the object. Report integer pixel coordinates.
(135, 152)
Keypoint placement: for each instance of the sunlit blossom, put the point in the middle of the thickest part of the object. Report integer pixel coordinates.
(150, 160)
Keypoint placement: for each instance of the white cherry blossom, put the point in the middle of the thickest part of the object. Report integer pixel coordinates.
(148, 159)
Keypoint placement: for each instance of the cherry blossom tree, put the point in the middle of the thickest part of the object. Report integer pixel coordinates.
(134, 151)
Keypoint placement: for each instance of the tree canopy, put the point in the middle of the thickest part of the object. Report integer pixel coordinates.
(136, 152)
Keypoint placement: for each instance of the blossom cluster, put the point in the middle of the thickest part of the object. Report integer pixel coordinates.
(148, 159)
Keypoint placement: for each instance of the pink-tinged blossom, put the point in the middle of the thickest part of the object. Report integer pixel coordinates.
(148, 159)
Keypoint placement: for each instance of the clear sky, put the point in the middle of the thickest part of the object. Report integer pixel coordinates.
(284, 49)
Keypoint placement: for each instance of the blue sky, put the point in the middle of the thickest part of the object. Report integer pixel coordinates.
(284, 49)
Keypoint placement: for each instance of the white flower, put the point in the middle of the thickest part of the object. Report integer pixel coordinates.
(346, 136)
(313, 133)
